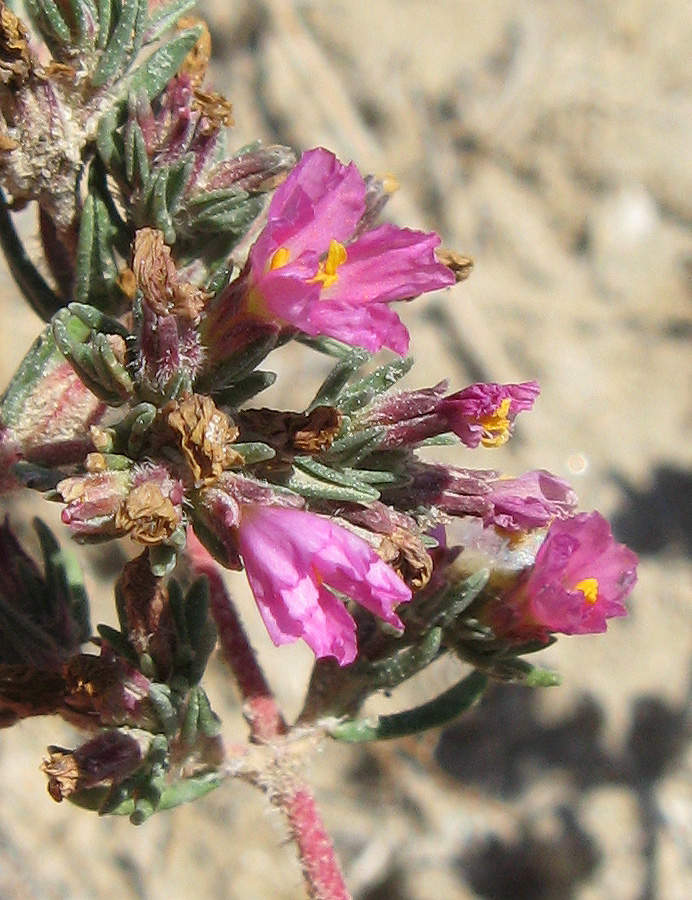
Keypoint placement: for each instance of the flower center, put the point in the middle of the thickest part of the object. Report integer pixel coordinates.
(327, 270)
(589, 588)
(497, 425)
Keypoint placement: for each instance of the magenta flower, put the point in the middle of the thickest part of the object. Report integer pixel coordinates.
(295, 560)
(531, 500)
(580, 579)
(484, 413)
(311, 269)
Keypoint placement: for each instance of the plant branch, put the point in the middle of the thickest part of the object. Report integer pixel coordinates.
(320, 867)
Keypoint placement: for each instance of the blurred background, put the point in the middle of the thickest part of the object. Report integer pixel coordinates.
(550, 141)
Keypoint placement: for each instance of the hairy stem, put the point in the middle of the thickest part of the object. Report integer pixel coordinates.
(320, 867)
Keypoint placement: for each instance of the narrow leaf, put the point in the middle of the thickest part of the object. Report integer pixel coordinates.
(117, 52)
(440, 711)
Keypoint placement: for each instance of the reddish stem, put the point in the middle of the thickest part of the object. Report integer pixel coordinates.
(320, 867)
(263, 713)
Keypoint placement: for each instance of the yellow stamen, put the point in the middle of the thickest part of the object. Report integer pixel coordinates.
(389, 184)
(279, 259)
(497, 425)
(589, 588)
(327, 270)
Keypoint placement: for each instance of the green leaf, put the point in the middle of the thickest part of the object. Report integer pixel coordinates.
(109, 141)
(160, 697)
(172, 795)
(338, 378)
(190, 729)
(64, 582)
(440, 711)
(254, 452)
(96, 320)
(197, 609)
(100, 229)
(119, 642)
(85, 16)
(153, 76)
(119, 50)
(390, 672)
(244, 389)
(162, 560)
(330, 483)
(363, 391)
(49, 21)
(41, 359)
(106, 9)
(36, 290)
(136, 160)
(163, 17)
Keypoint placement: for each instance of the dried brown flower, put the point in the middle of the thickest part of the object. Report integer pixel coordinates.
(204, 434)
(293, 433)
(62, 771)
(156, 276)
(406, 554)
(110, 756)
(147, 515)
(214, 107)
(15, 60)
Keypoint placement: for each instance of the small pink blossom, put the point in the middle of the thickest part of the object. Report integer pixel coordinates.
(308, 270)
(580, 579)
(484, 413)
(295, 560)
(531, 500)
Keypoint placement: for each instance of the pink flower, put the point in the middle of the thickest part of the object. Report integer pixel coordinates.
(580, 579)
(310, 268)
(529, 501)
(295, 560)
(484, 413)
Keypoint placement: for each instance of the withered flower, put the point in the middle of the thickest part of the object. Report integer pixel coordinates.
(157, 277)
(405, 552)
(290, 432)
(147, 514)
(204, 435)
(110, 756)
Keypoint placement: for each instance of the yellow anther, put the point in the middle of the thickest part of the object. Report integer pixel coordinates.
(280, 258)
(389, 184)
(497, 425)
(326, 273)
(589, 588)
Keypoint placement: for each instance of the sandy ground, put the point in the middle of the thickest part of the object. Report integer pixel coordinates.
(551, 141)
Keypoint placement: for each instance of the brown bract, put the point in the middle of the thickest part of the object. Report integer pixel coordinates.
(158, 280)
(405, 553)
(204, 435)
(147, 515)
(143, 604)
(293, 433)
